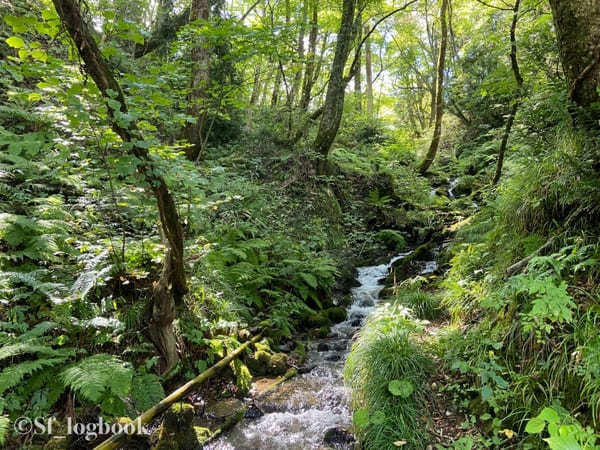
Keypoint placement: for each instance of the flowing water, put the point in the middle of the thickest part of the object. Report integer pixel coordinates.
(299, 412)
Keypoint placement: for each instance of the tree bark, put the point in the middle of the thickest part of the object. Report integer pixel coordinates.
(577, 25)
(439, 91)
(357, 77)
(200, 79)
(256, 86)
(171, 287)
(334, 99)
(310, 61)
(514, 62)
(300, 52)
(369, 77)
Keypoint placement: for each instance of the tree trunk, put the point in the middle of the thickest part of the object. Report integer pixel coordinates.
(300, 52)
(369, 76)
(357, 76)
(199, 10)
(334, 99)
(577, 26)
(519, 79)
(171, 287)
(310, 62)
(255, 86)
(439, 88)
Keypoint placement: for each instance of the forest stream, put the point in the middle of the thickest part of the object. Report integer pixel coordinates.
(311, 411)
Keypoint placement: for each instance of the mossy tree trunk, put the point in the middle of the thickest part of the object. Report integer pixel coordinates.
(577, 25)
(200, 79)
(439, 91)
(334, 99)
(171, 287)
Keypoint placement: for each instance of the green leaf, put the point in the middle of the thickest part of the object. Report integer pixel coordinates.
(15, 42)
(563, 443)
(310, 279)
(401, 388)
(549, 415)
(361, 418)
(487, 393)
(18, 24)
(535, 425)
(39, 55)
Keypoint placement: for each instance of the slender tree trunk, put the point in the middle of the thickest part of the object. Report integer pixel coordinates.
(439, 88)
(199, 10)
(300, 51)
(577, 26)
(517, 100)
(171, 287)
(369, 76)
(357, 76)
(310, 62)
(256, 86)
(334, 99)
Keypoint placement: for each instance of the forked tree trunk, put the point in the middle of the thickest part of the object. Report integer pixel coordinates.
(334, 99)
(200, 79)
(577, 24)
(514, 62)
(171, 287)
(439, 91)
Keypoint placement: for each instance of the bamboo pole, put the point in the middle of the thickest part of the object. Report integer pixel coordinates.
(113, 442)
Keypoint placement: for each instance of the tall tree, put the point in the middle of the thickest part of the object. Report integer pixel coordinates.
(169, 290)
(369, 77)
(514, 62)
(300, 55)
(577, 26)
(311, 57)
(200, 79)
(439, 91)
(334, 99)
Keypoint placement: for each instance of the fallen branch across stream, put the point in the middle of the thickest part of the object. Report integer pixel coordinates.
(112, 443)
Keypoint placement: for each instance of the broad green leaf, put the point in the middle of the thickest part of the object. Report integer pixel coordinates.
(487, 393)
(39, 55)
(401, 388)
(361, 418)
(549, 415)
(563, 443)
(15, 42)
(535, 425)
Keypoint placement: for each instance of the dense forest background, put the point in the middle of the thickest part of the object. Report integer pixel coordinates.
(179, 176)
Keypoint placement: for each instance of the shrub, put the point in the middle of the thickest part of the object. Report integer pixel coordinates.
(386, 371)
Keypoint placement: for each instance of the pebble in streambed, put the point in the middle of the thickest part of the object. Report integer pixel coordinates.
(311, 411)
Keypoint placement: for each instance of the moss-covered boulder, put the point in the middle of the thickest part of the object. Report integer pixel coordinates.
(176, 431)
(336, 314)
(278, 364)
(318, 320)
(323, 332)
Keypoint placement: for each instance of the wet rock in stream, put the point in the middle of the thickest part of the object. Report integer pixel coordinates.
(322, 347)
(338, 435)
(334, 357)
(253, 412)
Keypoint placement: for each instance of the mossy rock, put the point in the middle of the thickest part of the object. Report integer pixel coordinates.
(263, 357)
(202, 433)
(278, 364)
(176, 431)
(318, 320)
(323, 332)
(255, 366)
(336, 314)
(56, 443)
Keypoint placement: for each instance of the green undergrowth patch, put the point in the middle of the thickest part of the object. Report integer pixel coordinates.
(386, 371)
